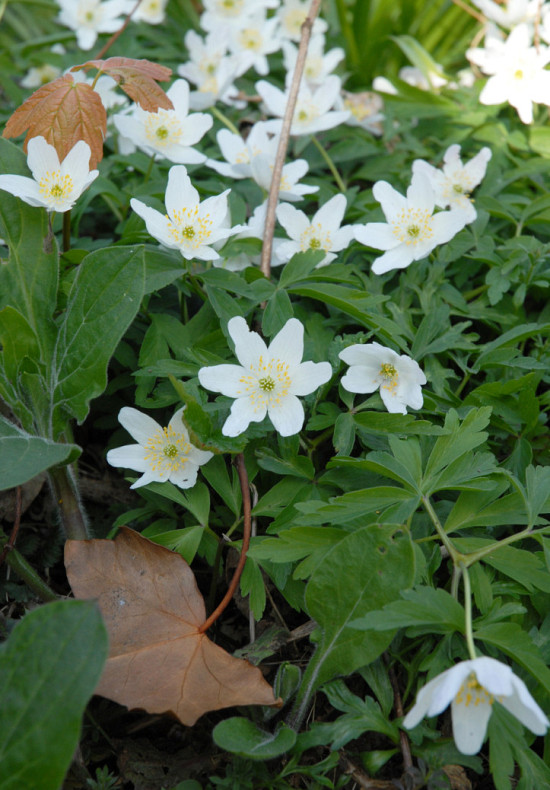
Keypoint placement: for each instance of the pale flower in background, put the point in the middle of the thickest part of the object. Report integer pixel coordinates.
(88, 18)
(253, 40)
(517, 72)
(254, 229)
(212, 70)
(150, 11)
(412, 229)
(372, 367)
(454, 182)
(55, 185)
(323, 232)
(189, 225)
(472, 688)
(292, 14)
(167, 133)
(219, 14)
(313, 107)
(509, 14)
(417, 79)
(365, 110)
(289, 188)
(37, 76)
(268, 380)
(160, 453)
(318, 64)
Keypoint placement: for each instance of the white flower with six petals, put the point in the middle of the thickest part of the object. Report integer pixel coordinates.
(88, 18)
(313, 112)
(160, 453)
(472, 687)
(373, 366)
(268, 380)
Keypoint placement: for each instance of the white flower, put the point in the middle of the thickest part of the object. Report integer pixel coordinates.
(292, 14)
(313, 107)
(40, 75)
(417, 79)
(222, 13)
(517, 69)
(365, 110)
(453, 184)
(318, 64)
(189, 226)
(472, 687)
(252, 40)
(168, 133)
(160, 453)
(55, 186)
(254, 229)
(373, 367)
(322, 233)
(268, 380)
(211, 70)
(412, 229)
(509, 14)
(90, 17)
(150, 11)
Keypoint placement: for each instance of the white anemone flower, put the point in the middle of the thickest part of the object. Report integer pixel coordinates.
(254, 229)
(454, 182)
(54, 185)
(268, 380)
(37, 76)
(160, 453)
(412, 229)
(318, 64)
(153, 12)
(472, 687)
(365, 110)
(167, 133)
(511, 13)
(289, 188)
(292, 15)
(313, 107)
(323, 232)
(189, 225)
(373, 366)
(517, 72)
(211, 70)
(253, 40)
(88, 18)
(220, 14)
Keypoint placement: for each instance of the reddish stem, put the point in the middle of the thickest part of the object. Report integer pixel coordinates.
(245, 489)
(16, 524)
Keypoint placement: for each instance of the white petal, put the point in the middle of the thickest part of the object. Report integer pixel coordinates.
(249, 346)
(420, 193)
(131, 456)
(522, 705)
(184, 477)
(367, 354)
(226, 379)
(180, 193)
(42, 157)
(331, 214)
(25, 188)
(178, 92)
(446, 224)
(295, 222)
(308, 376)
(199, 457)
(77, 164)
(159, 476)
(470, 726)
(398, 258)
(378, 235)
(288, 416)
(288, 343)
(360, 379)
(243, 412)
(390, 199)
(139, 425)
(156, 223)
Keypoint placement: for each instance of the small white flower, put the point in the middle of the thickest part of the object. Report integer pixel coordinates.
(318, 64)
(292, 15)
(518, 73)
(167, 133)
(453, 184)
(55, 186)
(253, 40)
(472, 687)
(223, 13)
(90, 17)
(313, 107)
(365, 110)
(412, 229)
(37, 76)
(373, 367)
(268, 380)
(254, 229)
(150, 11)
(417, 79)
(322, 233)
(511, 13)
(160, 453)
(189, 226)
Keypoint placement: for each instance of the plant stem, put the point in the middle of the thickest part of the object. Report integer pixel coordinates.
(67, 230)
(468, 612)
(67, 499)
(16, 524)
(224, 119)
(265, 263)
(26, 572)
(455, 555)
(245, 490)
(117, 33)
(331, 166)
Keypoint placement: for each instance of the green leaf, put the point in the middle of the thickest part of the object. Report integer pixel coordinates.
(521, 565)
(185, 541)
(252, 584)
(299, 466)
(277, 312)
(23, 456)
(299, 266)
(49, 668)
(353, 505)
(241, 736)
(423, 606)
(361, 573)
(104, 299)
(384, 423)
(18, 340)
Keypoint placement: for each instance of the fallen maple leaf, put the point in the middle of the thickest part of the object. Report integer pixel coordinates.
(63, 112)
(137, 80)
(153, 610)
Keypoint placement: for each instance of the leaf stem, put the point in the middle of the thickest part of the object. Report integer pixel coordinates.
(331, 166)
(68, 501)
(245, 490)
(265, 263)
(224, 119)
(468, 611)
(26, 572)
(455, 555)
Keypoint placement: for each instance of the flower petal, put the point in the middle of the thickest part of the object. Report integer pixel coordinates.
(470, 726)
(130, 456)
(227, 379)
(308, 376)
(288, 416)
(180, 193)
(249, 346)
(294, 221)
(139, 425)
(42, 158)
(156, 223)
(398, 258)
(288, 344)
(378, 235)
(24, 188)
(243, 412)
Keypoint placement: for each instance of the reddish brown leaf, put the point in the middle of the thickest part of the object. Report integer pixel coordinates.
(153, 610)
(137, 80)
(64, 112)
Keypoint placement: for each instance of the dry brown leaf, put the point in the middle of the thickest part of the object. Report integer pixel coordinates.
(64, 112)
(153, 610)
(137, 80)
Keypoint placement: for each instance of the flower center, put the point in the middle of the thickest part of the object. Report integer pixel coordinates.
(293, 21)
(472, 692)
(459, 189)
(389, 376)
(167, 450)
(267, 383)
(314, 238)
(188, 229)
(55, 188)
(162, 128)
(518, 74)
(413, 225)
(250, 39)
(230, 7)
